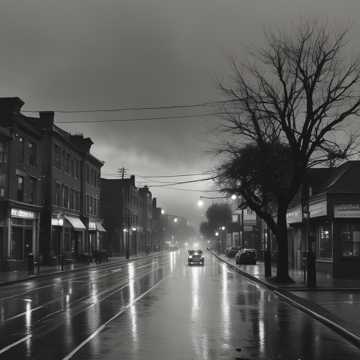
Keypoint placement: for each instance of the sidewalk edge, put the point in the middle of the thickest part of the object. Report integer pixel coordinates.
(299, 304)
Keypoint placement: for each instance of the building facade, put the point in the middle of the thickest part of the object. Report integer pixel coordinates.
(20, 185)
(332, 227)
(71, 223)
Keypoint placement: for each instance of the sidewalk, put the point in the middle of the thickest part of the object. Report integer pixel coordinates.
(335, 302)
(11, 277)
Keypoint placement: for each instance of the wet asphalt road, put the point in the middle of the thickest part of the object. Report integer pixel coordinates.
(158, 308)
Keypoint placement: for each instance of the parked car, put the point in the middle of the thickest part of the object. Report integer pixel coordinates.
(195, 257)
(232, 251)
(246, 256)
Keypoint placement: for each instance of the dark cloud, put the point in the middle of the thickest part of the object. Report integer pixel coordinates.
(90, 53)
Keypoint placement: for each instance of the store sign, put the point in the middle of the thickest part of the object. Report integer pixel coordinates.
(92, 226)
(318, 209)
(57, 222)
(347, 210)
(23, 214)
(294, 215)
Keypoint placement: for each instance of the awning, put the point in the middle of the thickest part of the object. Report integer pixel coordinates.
(99, 227)
(76, 223)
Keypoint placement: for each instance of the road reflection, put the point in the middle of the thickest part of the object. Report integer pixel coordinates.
(132, 309)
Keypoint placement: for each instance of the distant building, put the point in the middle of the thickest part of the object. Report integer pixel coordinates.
(122, 209)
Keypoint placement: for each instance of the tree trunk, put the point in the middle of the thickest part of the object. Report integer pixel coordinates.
(282, 239)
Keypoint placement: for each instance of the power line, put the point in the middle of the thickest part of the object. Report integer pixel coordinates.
(139, 108)
(174, 117)
(165, 176)
(185, 182)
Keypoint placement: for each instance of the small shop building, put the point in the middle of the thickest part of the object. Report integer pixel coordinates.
(334, 222)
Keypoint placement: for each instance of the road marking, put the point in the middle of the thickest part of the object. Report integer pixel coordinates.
(102, 327)
(6, 348)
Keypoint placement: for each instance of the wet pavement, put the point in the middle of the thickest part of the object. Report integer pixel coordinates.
(158, 308)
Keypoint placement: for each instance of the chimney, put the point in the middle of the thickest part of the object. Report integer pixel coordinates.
(47, 117)
(154, 203)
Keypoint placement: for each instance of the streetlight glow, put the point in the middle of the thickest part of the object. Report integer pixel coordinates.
(162, 211)
(216, 233)
(176, 220)
(200, 203)
(223, 228)
(233, 197)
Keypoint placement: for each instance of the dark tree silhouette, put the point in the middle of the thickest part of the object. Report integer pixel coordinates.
(298, 93)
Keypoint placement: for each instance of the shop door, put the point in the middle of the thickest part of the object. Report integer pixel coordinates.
(28, 234)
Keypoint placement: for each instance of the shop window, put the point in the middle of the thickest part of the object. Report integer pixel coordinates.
(32, 149)
(350, 239)
(20, 188)
(32, 190)
(324, 248)
(3, 153)
(67, 240)
(57, 157)
(17, 244)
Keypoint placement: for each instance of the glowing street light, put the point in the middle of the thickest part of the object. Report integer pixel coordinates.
(162, 211)
(233, 197)
(216, 233)
(176, 220)
(200, 203)
(223, 228)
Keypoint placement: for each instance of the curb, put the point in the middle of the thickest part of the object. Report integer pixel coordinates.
(301, 304)
(60, 272)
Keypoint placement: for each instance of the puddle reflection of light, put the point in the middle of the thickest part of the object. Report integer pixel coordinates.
(225, 302)
(172, 261)
(133, 314)
(28, 317)
(195, 292)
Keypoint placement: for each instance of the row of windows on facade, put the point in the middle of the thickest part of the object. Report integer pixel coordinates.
(70, 199)
(71, 165)
(26, 152)
(31, 188)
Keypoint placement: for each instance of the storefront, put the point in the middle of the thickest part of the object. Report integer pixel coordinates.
(67, 236)
(21, 231)
(96, 236)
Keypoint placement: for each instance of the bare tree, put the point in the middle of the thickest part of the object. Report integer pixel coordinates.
(299, 92)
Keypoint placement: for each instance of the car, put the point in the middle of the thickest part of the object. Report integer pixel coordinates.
(232, 251)
(246, 256)
(195, 257)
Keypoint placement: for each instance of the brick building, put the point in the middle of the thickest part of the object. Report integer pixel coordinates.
(20, 185)
(70, 223)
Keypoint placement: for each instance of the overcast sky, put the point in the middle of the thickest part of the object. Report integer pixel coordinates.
(87, 54)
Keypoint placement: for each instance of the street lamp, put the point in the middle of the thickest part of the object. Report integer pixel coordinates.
(176, 220)
(233, 197)
(200, 203)
(162, 212)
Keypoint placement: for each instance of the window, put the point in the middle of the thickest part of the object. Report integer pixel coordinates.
(3, 153)
(77, 200)
(350, 239)
(58, 194)
(32, 149)
(64, 159)
(66, 197)
(77, 168)
(87, 174)
(21, 152)
(324, 243)
(57, 157)
(72, 168)
(72, 195)
(67, 164)
(20, 188)
(3, 178)
(32, 190)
